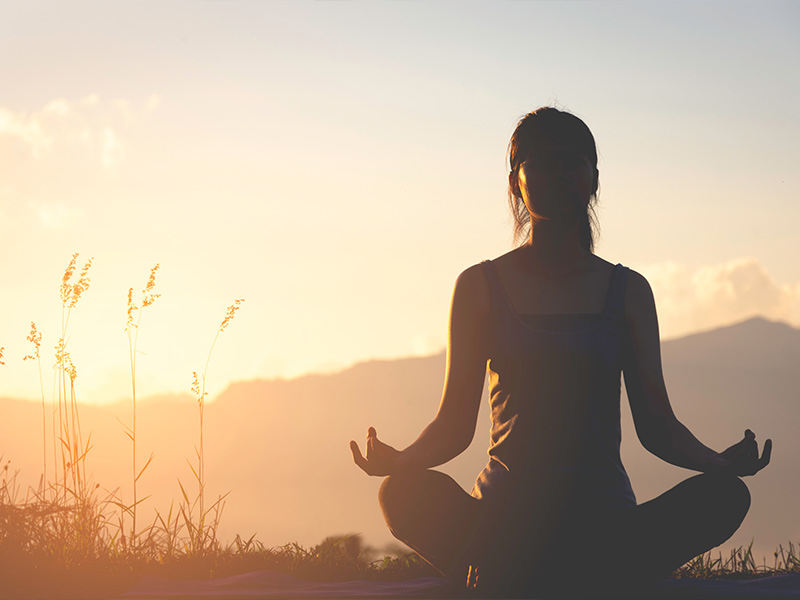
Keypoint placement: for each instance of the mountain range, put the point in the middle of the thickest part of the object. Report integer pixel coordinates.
(280, 447)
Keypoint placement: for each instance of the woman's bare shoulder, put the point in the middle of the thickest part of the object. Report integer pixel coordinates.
(512, 256)
(506, 266)
(639, 300)
(601, 266)
(637, 285)
(601, 262)
(472, 291)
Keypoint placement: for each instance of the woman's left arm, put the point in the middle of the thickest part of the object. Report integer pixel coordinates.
(657, 427)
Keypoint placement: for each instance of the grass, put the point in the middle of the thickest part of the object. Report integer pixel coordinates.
(68, 538)
(740, 564)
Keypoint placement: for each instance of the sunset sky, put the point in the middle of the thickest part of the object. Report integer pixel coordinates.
(338, 164)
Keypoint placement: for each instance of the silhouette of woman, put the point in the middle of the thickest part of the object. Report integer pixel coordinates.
(555, 325)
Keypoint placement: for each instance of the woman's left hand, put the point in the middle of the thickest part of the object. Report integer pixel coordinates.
(381, 458)
(742, 458)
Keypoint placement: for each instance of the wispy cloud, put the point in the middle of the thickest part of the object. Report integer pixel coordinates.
(91, 100)
(88, 123)
(112, 151)
(28, 129)
(711, 296)
(426, 344)
(57, 215)
(152, 102)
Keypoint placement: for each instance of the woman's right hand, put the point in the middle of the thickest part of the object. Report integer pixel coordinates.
(381, 458)
(742, 458)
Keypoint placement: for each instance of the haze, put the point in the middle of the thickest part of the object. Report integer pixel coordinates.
(339, 164)
(281, 447)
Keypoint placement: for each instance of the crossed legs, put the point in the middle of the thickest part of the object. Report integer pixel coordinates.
(690, 519)
(431, 513)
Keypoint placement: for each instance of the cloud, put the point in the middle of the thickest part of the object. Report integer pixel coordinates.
(690, 300)
(88, 123)
(112, 149)
(124, 109)
(426, 344)
(57, 215)
(57, 108)
(152, 102)
(27, 129)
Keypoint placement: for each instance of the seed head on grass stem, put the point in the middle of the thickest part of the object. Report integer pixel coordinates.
(68, 438)
(81, 285)
(231, 312)
(35, 338)
(64, 360)
(132, 329)
(202, 534)
(66, 287)
(71, 292)
(148, 295)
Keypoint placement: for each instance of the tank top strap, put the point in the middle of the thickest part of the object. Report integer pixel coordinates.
(615, 297)
(499, 301)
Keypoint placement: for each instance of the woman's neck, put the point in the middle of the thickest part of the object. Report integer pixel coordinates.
(552, 248)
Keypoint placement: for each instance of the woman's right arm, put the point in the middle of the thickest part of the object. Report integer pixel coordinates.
(453, 427)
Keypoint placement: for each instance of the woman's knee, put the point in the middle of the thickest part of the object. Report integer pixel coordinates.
(397, 495)
(730, 501)
(740, 499)
(717, 491)
(390, 493)
(420, 498)
(416, 486)
(730, 491)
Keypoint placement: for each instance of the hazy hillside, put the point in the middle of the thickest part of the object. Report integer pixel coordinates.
(281, 447)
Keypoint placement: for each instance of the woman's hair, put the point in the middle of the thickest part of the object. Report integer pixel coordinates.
(551, 124)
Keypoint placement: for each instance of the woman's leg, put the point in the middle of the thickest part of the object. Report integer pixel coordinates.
(644, 544)
(428, 511)
(690, 519)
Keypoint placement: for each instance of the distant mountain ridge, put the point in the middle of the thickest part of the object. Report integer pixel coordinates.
(280, 446)
(777, 345)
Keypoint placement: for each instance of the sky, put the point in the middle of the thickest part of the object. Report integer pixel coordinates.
(338, 164)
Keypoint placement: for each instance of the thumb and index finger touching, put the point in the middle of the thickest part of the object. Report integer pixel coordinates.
(747, 449)
(359, 458)
(740, 446)
(751, 452)
(751, 446)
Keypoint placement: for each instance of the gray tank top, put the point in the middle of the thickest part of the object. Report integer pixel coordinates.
(554, 392)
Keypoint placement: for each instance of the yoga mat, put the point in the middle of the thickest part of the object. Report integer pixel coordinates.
(776, 586)
(271, 584)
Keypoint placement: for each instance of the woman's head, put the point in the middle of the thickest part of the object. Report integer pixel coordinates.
(553, 173)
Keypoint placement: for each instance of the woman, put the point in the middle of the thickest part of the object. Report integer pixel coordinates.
(555, 325)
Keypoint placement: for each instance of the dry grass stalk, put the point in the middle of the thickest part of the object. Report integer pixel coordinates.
(132, 329)
(35, 338)
(202, 533)
(67, 528)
